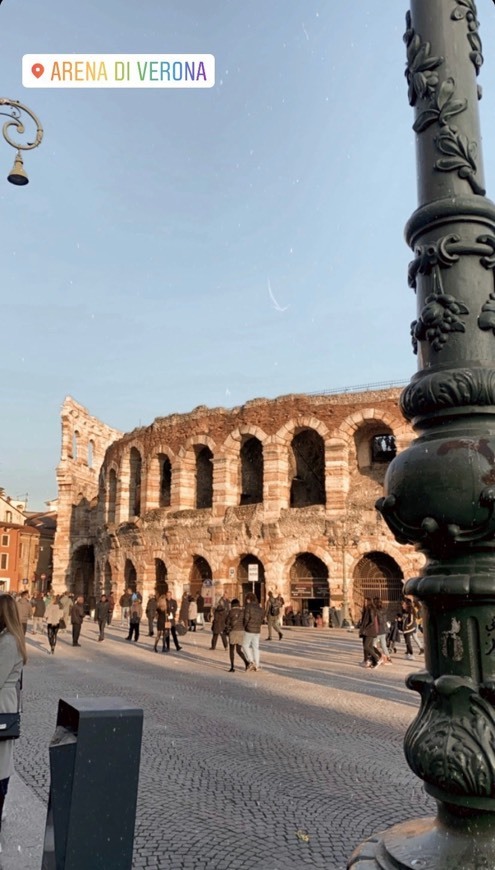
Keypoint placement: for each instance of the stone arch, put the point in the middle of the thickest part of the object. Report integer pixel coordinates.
(286, 433)
(251, 470)
(135, 479)
(377, 575)
(111, 493)
(229, 465)
(309, 582)
(188, 472)
(307, 468)
(203, 476)
(159, 474)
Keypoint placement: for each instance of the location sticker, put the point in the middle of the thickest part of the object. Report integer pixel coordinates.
(118, 70)
(37, 70)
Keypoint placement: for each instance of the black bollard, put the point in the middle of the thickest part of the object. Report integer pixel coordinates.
(94, 768)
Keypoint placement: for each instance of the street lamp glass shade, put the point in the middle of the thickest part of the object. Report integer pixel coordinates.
(18, 174)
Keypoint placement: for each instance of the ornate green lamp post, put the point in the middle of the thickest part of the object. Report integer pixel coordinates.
(18, 174)
(440, 492)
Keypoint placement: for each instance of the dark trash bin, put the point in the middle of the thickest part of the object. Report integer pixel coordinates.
(94, 770)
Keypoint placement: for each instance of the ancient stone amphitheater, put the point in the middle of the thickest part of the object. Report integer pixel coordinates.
(276, 494)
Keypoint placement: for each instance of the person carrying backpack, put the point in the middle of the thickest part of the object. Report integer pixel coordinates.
(273, 613)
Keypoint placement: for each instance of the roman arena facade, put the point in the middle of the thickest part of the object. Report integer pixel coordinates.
(277, 494)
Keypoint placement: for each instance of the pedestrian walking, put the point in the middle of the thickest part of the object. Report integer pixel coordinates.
(368, 631)
(408, 626)
(24, 608)
(192, 613)
(218, 625)
(38, 606)
(380, 643)
(125, 603)
(53, 615)
(171, 618)
(184, 610)
(101, 615)
(12, 658)
(151, 614)
(135, 614)
(253, 618)
(111, 608)
(66, 604)
(200, 604)
(162, 622)
(77, 615)
(234, 629)
(273, 613)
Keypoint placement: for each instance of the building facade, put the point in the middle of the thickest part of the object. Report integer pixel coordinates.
(276, 494)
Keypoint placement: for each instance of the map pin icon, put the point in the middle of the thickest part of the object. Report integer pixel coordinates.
(37, 69)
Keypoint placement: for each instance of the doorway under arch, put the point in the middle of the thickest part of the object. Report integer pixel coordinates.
(83, 572)
(130, 575)
(246, 578)
(377, 575)
(161, 575)
(309, 583)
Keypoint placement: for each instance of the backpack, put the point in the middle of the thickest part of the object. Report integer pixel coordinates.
(274, 608)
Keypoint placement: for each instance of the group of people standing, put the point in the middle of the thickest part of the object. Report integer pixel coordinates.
(240, 627)
(380, 636)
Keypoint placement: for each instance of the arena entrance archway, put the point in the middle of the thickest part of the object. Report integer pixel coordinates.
(161, 575)
(83, 573)
(130, 575)
(377, 575)
(309, 586)
(246, 581)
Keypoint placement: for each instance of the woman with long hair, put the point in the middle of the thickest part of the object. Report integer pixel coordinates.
(12, 658)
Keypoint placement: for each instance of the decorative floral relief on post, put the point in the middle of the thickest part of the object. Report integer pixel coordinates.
(420, 75)
(448, 389)
(491, 630)
(451, 744)
(467, 9)
(441, 108)
(438, 319)
(460, 153)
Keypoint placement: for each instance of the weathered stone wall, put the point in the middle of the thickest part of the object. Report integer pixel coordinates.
(119, 513)
(84, 442)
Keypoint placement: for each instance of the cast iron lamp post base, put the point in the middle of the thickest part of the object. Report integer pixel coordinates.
(460, 839)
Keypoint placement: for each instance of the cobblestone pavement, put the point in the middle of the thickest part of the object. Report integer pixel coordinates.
(289, 767)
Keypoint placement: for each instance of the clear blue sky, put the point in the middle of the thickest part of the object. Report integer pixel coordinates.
(137, 262)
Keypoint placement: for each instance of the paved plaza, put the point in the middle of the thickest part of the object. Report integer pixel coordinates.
(286, 768)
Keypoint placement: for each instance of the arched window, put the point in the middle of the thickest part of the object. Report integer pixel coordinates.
(135, 483)
(251, 471)
(112, 496)
(165, 480)
(204, 476)
(307, 469)
(375, 443)
(377, 575)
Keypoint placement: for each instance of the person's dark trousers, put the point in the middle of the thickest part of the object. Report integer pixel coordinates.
(52, 631)
(76, 631)
(172, 631)
(4, 787)
(109, 617)
(407, 639)
(233, 648)
(133, 630)
(370, 653)
(192, 625)
(24, 626)
(150, 626)
(214, 639)
(101, 624)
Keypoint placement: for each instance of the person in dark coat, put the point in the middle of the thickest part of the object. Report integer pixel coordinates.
(135, 614)
(101, 615)
(76, 617)
(171, 615)
(184, 610)
(408, 626)
(151, 614)
(111, 608)
(200, 604)
(234, 628)
(218, 626)
(253, 619)
(368, 631)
